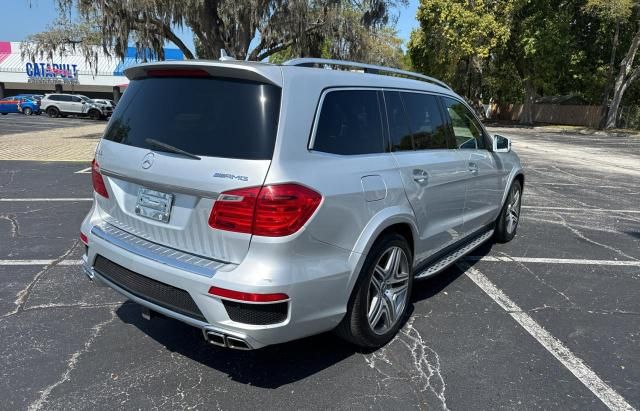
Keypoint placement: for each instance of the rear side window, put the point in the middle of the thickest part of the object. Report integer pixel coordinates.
(425, 120)
(401, 139)
(350, 123)
(213, 117)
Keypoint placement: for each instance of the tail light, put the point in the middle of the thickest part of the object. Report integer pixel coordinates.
(98, 181)
(84, 238)
(272, 211)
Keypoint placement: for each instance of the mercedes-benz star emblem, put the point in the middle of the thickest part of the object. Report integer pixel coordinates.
(147, 161)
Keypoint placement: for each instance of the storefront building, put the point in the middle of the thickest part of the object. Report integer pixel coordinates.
(70, 73)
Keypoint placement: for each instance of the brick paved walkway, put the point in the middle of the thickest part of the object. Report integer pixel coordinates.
(66, 144)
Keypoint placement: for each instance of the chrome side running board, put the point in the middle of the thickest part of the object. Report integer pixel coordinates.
(453, 256)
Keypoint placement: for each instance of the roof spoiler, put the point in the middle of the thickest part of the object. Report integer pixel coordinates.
(262, 73)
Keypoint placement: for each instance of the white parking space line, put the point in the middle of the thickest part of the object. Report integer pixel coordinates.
(576, 184)
(84, 171)
(591, 210)
(575, 365)
(574, 261)
(35, 200)
(39, 262)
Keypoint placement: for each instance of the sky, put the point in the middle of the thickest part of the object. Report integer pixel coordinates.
(24, 17)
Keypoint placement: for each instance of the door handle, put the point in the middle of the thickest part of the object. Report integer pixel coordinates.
(473, 167)
(420, 176)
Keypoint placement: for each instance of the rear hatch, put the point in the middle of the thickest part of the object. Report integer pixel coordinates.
(169, 115)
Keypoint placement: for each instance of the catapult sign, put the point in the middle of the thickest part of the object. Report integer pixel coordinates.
(45, 73)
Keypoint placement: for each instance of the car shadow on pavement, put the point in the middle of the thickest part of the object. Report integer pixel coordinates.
(269, 367)
(635, 234)
(273, 366)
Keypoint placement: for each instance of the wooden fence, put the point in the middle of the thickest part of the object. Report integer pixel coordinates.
(587, 116)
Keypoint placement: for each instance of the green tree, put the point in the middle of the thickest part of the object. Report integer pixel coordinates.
(622, 12)
(457, 36)
(232, 25)
(541, 48)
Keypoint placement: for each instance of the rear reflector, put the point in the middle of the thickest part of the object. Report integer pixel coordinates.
(177, 73)
(250, 297)
(271, 211)
(84, 238)
(98, 181)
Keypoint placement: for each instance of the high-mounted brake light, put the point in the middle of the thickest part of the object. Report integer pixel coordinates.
(177, 73)
(249, 297)
(98, 181)
(272, 211)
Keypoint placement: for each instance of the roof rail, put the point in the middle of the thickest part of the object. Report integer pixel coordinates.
(368, 68)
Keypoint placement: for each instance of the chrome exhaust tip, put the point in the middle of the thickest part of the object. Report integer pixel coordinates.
(88, 271)
(223, 340)
(91, 275)
(237, 343)
(214, 338)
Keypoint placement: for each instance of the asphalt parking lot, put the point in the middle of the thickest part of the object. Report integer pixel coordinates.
(550, 320)
(19, 123)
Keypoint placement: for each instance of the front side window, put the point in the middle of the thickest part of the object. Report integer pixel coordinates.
(466, 129)
(425, 120)
(350, 123)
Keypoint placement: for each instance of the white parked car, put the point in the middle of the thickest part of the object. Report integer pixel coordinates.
(57, 105)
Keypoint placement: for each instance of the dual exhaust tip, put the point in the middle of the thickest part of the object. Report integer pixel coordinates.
(223, 340)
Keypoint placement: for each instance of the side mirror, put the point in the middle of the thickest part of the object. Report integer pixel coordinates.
(501, 144)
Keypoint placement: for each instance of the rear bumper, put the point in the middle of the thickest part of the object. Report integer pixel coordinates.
(315, 276)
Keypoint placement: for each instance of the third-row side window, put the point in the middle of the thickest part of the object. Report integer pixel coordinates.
(350, 123)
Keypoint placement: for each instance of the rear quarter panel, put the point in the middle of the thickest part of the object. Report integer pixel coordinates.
(345, 219)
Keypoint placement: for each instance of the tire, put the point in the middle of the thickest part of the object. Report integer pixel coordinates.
(95, 115)
(53, 112)
(393, 305)
(509, 217)
(27, 111)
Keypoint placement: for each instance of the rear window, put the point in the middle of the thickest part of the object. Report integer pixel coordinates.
(204, 116)
(350, 123)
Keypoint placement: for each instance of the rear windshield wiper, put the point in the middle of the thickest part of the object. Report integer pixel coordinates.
(170, 148)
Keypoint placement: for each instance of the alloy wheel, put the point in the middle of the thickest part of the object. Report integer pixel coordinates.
(388, 289)
(513, 210)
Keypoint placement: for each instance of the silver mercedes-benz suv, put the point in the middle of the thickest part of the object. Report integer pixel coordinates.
(264, 203)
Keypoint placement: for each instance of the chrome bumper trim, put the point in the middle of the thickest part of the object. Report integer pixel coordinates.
(156, 252)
